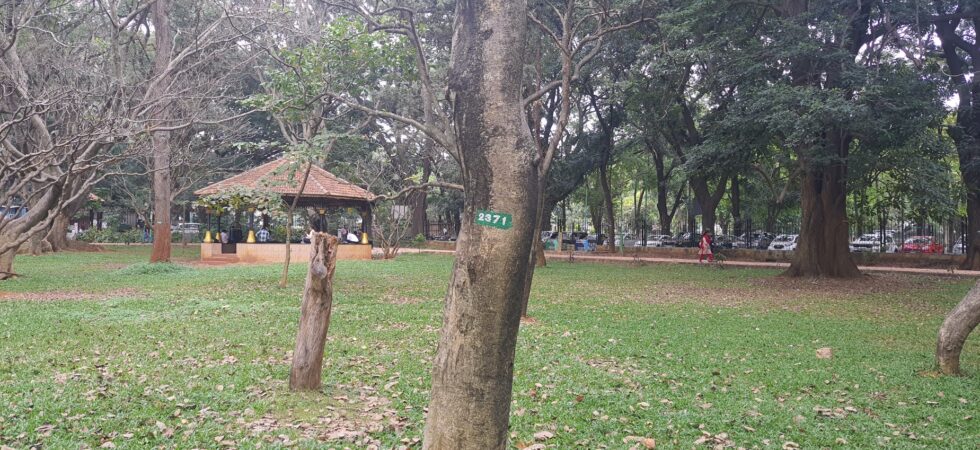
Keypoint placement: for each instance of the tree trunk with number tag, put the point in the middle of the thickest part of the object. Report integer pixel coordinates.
(473, 368)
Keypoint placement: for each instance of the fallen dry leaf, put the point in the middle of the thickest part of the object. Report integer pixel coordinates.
(543, 435)
(825, 353)
(645, 441)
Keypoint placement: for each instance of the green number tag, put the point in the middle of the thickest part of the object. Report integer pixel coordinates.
(493, 219)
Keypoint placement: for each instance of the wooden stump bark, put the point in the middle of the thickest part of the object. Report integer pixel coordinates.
(314, 319)
(955, 329)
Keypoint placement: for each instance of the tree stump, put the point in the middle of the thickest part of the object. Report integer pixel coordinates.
(954, 331)
(314, 319)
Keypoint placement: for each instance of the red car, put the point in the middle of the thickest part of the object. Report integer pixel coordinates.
(922, 244)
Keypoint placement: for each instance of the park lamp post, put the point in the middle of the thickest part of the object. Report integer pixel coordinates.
(251, 225)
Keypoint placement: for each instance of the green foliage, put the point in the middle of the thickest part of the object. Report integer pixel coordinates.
(110, 235)
(239, 198)
(347, 60)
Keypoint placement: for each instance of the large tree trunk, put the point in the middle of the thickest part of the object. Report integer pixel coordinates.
(955, 329)
(971, 180)
(708, 200)
(966, 132)
(57, 236)
(314, 317)
(7, 264)
(665, 211)
(160, 140)
(822, 250)
(595, 215)
(736, 197)
(607, 200)
(473, 369)
(772, 211)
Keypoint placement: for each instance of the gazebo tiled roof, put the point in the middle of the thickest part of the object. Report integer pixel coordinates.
(321, 184)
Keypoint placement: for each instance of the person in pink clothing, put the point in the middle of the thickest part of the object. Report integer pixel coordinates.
(705, 248)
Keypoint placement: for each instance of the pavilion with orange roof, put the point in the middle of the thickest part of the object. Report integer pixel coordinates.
(323, 191)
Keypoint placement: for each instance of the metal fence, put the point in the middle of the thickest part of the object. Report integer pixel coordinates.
(890, 232)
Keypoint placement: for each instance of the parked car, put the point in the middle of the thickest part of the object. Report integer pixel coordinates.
(657, 240)
(784, 242)
(189, 228)
(874, 242)
(13, 212)
(758, 240)
(626, 240)
(959, 248)
(572, 238)
(922, 244)
(686, 240)
(597, 240)
(723, 242)
(585, 242)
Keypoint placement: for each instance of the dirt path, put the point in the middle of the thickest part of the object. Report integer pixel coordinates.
(579, 256)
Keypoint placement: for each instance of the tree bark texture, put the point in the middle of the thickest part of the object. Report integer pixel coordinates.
(473, 368)
(966, 131)
(57, 236)
(735, 196)
(665, 210)
(160, 140)
(314, 319)
(955, 329)
(607, 200)
(7, 264)
(822, 250)
(972, 261)
(709, 200)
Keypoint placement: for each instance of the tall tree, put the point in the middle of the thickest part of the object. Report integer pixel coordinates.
(819, 80)
(473, 368)
(610, 115)
(160, 140)
(956, 26)
(196, 64)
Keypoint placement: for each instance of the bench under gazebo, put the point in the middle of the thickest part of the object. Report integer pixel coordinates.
(252, 194)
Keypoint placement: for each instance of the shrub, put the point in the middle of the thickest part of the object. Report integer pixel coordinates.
(111, 236)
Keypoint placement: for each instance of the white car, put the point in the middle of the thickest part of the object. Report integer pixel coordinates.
(189, 228)
(784, 242)
(959, 246)
(630, 241)
(657, 240)
(873, 242)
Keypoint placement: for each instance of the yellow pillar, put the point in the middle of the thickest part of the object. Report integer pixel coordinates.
(207, 237)
(251, 237)
(364, 239)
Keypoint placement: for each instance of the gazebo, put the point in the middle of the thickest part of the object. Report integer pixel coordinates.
(323, 192)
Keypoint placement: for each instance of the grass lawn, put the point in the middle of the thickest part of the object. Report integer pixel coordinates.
(96, 348)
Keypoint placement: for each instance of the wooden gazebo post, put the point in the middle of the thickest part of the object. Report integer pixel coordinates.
(366, 223)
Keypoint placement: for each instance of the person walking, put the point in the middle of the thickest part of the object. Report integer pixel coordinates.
(705, 248)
